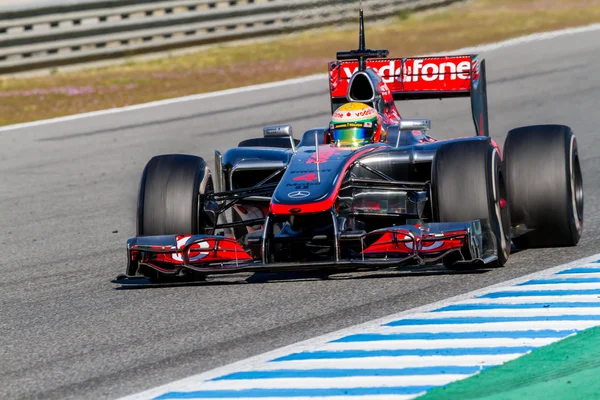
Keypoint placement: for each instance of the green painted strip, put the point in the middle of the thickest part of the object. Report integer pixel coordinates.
(568, 369)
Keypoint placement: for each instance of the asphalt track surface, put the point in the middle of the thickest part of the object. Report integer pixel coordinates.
(67, 201)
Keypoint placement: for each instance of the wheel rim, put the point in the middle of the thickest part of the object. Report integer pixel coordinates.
(576, 188)
(500, 207)
(504, 212)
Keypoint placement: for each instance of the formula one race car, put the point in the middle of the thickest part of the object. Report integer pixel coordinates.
(391, 197)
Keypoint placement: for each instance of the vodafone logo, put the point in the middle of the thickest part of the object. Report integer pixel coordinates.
(351, 111)
(415, 70)
(365, 113)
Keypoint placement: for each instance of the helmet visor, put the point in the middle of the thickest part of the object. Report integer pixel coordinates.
(350, 134)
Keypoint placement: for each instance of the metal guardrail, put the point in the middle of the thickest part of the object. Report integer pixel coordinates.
(47, 36)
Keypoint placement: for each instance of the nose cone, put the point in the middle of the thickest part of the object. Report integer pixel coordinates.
(310, 184)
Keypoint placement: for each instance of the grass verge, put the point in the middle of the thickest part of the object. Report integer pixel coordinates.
(567, 369)
(222, 67)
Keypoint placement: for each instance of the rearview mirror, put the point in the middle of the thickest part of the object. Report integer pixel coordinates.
(415, 124)
(278, 131)
(281, 131)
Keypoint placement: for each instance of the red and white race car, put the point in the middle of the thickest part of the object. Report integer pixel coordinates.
(403, 198)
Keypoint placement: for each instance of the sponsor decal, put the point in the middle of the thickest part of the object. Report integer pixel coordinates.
(365, 113)
(383, 89)
(420, 246)
(301, 185)
(181, 244)
(352, 125)
(476, 68)
(299, 194)
(428, 70)
(451, 73)
(324, 155)
(343, 115)
(308, 171)
(352, 106)
(306, 177)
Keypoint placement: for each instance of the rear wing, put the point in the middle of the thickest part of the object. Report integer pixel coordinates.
(423, 78)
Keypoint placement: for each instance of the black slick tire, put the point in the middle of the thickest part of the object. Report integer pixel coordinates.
(468, 184)
(545, 185)
(168, 200)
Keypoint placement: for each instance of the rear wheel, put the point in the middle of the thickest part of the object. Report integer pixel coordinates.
(168, 202)
(545, 185)
(468, 184)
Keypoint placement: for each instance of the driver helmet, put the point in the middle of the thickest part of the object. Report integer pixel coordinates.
(354, 125)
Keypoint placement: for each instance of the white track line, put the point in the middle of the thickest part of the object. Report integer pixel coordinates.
(586, 275)
(535, 37)
(588, 298)
(476, 49)
(490, 327)
(557, 286)
(344, 382)
(509, 312)
(437, 344)
(390, 362)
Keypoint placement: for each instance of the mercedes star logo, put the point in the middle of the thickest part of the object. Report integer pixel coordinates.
(299, 194)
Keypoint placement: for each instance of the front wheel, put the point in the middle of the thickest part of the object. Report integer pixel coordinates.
(168, 201)
(468, 184)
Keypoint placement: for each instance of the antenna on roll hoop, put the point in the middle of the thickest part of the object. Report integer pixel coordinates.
(361, 38)
(362, 46)
(362, 54)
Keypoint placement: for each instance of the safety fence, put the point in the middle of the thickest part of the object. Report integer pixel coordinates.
(42, 36)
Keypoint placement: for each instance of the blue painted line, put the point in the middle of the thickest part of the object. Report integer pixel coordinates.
(376, 337)
(257, 393)
(579, 271)
(324, 355)
(467, 307)
(486, 320)
(341, 373)
(559, 281)
(535, 293)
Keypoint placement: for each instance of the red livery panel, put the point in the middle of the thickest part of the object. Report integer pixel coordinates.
(207, 251)
(403, 242)
(430, 74)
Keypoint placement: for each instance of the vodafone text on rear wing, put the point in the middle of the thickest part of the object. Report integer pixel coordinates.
(423, 78)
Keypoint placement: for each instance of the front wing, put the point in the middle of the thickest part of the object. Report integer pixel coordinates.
(424, 244)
